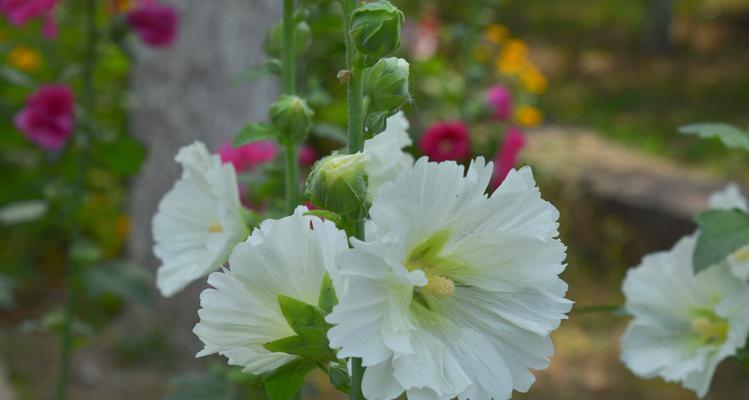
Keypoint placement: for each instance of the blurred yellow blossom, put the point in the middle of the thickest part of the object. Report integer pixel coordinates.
(512, 60)
(515, 48)
(496, 33)
(528, 116)
(26, 59)
(533, 79)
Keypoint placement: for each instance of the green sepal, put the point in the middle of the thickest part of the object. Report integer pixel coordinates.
(722, 232)
(313, 350)
(254, 132)
(339, 378)
(285, 382)
(328, 298)
(325, 214)
(306, 320)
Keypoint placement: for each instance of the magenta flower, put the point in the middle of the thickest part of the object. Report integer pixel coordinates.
(513, 142)
(156, 24)
(48, 117)
(248, 156)
(20, 12)
(499, 99)
(446, 141)
(307, 156)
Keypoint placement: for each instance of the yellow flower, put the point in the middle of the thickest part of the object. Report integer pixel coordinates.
(496, 33)
(515, 48)
(533, 79)
(528, 116)
(25, 58)
(512, 60)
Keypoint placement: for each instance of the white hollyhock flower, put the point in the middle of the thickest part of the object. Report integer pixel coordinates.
(241, 313)
(684, 324)
(728, 199)
(198, 222)
(384, 153)
(453, 293)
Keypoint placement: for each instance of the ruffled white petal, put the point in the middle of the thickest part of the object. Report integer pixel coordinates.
(241, 313)
(728, 198)
(384, 153)
(199, 220)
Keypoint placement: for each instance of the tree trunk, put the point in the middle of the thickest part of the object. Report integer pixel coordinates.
(182, 94)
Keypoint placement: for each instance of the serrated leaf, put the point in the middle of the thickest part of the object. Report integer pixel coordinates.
(285, 382)
(306, 320)
(730, 136)
(722, 232)
(328, 297)
(254, 132)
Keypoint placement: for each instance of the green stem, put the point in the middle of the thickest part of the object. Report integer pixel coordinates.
(292, 172)
(354, 64)
(289, 87)
(87, 102)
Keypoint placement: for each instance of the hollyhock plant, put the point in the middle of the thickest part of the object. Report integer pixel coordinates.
(445, 141)
(248, 156)
(48, 117)
(20, 12)
(241, 313)
(513, 142)
(499, 99)
(454, 293)
(156, 24)
(684, 324)
(198, 222)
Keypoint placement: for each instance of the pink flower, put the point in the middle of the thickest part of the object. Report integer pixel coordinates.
(248, 156)
(307, 156)
(446, 141)
(48, 117)
(499, 99)
(20, 12)
(513, 142)
(156, 24)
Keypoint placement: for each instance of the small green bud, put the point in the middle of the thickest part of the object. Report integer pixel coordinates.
(339, 183)
(376, 28)
(386, 91)
(302, 39)
(292, 117)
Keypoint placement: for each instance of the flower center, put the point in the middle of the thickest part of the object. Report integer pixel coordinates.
(438, 285)
(216, 228)
(742, 254)
(710, 328)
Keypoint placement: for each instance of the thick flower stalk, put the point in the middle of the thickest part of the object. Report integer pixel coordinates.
(240, 315)
(199, 221)
(453, 293)
(684, 324)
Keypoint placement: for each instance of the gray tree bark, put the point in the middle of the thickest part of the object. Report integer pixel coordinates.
(183, 94)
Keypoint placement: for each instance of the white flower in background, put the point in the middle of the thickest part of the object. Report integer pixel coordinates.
(728, 199)
(287, 257)
(453, 293)
(684, 324)
(384, 153)
(199, 221)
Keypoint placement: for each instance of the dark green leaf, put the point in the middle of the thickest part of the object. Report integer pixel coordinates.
(376, 122)
(730, 136)
(722, 232)
(254, 132)
(285, 382)
(313, 349)
(328, 297)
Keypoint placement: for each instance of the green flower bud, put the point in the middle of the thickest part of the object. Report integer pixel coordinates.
(302, 39)
(386, 91)
(376, 28)
(339, 183)
(292, 118)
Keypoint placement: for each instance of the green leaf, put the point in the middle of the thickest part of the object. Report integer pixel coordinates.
(730, 136)
(306, 320)
(313, 349)
(254, 132)
(123, 279)
(285, 382)
(339, 378)
(269, 67)
(123, 155)
(325, 214)
(722, 232)
(328, 297)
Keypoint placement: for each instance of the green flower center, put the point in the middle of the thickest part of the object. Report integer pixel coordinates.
(426, 257)
(709, 327)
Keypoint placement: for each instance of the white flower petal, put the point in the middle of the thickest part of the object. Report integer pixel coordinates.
(384, 154)
(728, 199)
